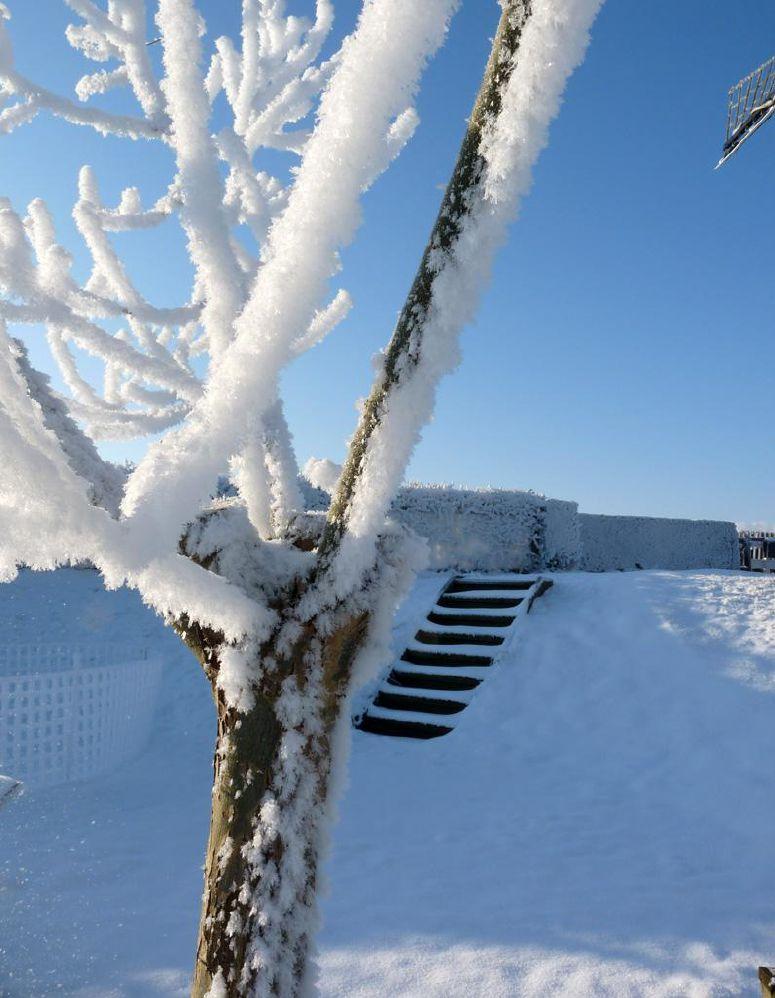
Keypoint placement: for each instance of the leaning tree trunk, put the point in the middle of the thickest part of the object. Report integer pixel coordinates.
(244, 927)
(462, 195)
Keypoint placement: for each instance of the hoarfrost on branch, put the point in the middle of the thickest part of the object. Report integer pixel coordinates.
(204, 375)
(205, 372)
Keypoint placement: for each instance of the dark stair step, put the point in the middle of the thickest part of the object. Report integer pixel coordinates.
(453, 638)
(401, 729)
(460, 585)
(413, 681)
(478, 603)
(424, 705)
(469, 618)
(456, 661)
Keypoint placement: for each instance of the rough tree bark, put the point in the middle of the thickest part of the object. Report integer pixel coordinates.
(249, 743)
(246, 752)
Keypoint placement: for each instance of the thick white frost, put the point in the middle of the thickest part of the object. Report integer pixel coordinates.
(374, 81)
(243, 315)
(252, 315)
(553, 44)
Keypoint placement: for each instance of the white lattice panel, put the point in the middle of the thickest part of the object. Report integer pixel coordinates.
(71, 712)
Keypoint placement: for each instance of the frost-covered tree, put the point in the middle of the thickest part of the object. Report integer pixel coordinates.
(286, 610)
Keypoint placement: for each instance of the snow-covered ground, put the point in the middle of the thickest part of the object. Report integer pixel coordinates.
(599, 823)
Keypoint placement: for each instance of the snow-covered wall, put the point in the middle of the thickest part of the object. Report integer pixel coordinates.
(609, 543)
(490, 529)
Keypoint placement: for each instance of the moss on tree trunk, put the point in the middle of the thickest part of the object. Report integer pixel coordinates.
(245, 768)
(245, 750)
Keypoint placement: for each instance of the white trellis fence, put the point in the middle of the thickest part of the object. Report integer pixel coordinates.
(71, 711)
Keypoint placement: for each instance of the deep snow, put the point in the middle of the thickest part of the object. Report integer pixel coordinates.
(599, 823)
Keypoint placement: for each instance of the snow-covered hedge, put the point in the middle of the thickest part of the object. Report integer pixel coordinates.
(490, 529)
(506, 530)
(562, 539)
(609, 543)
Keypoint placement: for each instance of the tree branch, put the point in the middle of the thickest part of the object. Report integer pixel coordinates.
(202, 212)
(301, 256)
(127, 42)
(405, 347)
(533, 55)
(36, 98)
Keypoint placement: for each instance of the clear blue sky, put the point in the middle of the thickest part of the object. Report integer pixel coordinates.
(624, 353)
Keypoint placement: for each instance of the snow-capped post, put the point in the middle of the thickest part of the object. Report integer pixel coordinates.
(283, 611)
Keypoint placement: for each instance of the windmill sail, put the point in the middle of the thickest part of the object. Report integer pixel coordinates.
(751, 103)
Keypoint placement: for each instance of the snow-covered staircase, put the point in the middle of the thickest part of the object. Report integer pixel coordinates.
(467, 629)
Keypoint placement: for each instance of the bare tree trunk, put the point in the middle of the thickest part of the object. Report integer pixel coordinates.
(250, 748)
(245, 750)
(246, 770)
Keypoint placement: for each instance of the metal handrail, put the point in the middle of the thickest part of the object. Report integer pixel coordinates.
(751, 103)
